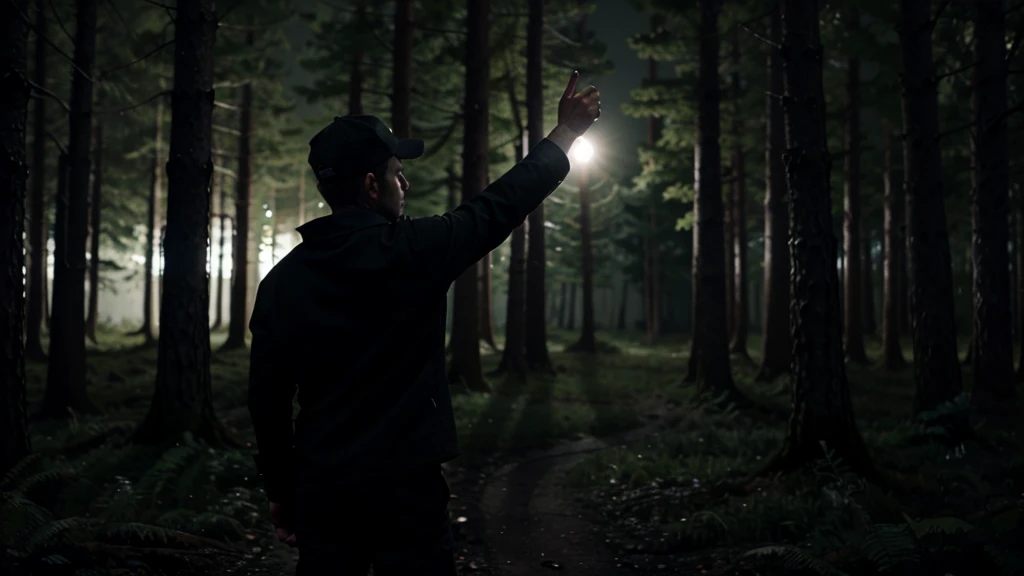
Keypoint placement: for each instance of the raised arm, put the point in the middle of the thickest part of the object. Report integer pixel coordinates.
(451, 243)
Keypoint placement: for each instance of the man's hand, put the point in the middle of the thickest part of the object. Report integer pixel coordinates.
(576, 113)
(283, 519)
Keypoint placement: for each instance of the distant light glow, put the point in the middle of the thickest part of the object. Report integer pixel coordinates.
(320, 205)
(582, 150)
(269, 213)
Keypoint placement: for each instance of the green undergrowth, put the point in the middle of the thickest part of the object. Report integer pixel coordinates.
(696, 492)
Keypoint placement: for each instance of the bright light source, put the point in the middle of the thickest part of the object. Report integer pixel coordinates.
(582, 150)
(320, 205)
(269, 213)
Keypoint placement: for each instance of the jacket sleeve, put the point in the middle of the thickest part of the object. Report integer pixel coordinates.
(270, 406)
(449, 244)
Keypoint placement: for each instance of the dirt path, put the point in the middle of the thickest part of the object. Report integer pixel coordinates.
(529, 522)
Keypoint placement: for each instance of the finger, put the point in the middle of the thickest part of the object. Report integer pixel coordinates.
(574, 79)
(589, 91)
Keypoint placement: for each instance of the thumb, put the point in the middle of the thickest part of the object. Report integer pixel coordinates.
(570, 89)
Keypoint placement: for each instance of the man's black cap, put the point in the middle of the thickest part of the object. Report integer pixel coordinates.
(354, 145)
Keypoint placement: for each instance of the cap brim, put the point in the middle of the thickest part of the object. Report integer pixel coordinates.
(408, 149)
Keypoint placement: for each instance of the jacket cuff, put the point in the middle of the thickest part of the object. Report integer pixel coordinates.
(279, 477)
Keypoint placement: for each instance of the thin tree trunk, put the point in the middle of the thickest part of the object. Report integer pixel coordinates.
(65, 379)
(822, 413)
(182, 399)
(238, 317)
(562, 305)
(223, 215)
(94, 241)
(714, 373)
(1018, 212)
(588, 339)
(853, 287)
(741, 307)
(513, 357)
(355, 85)
(652, 284)
(936, 370)
(149, 299)
(14, 95)
(401, 94)
(730, 264)
(570, 323)
(537, 356)
(37, 209)
(868, 279)
(993, 388)
(622, 305)
(892, 351)
(465, 366)
(487, 302)
(776, 347)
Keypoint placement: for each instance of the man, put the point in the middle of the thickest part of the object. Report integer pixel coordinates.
(354, 318)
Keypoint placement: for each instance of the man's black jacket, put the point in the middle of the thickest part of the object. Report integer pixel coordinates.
(354, 317)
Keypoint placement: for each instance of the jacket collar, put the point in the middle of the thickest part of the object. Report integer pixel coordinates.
(340, 223)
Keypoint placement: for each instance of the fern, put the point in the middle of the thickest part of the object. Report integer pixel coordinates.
(45, 535)
(794, 558)
(888, 546)
(946, 525)
(17, 469)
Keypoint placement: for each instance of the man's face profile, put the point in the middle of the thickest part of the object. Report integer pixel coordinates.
(388, 193)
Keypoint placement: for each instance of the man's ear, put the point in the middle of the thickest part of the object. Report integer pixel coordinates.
(370, 185)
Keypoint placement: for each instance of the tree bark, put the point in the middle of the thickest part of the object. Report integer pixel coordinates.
(714, 373)
(867, 277)
(537, 356)
(741, 306)
(401, 93)
(936, 369)
(465, 365)
(14, 95)
(652, 284)
(776, 344)
(94, 241)
(588, 339)
(892, 351)
(149, 299)
(238, 316)
(570, 323)
(853, 286)
(37, 208)
(486, 302)
(223, 215)
(562, 305)
(65, 381)
(513, 357)
(822, 412)
(993, 388)
(1018, 211)
(182, 399)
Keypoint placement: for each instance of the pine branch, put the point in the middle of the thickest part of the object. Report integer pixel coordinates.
(49, 94)
(761, 38)
(57, 142)
(159, 5)
(945, 133)
(226, 130)
(957, 71)
(137, 105)
(139, 59)
(57, 49)
(60, 23)
(1013, 9)
(938, 11)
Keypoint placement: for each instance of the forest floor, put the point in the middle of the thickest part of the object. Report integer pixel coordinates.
(609, 467)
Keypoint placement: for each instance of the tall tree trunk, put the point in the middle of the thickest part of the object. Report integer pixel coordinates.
(14, 94)
(730, 264)
(182, 399)
(149, 299)
(892, 351)
(513, 357)
(588, 340)
(222, 190)
(993, 347)
(562, 305)
(570, 323)
(822, 412)
(868, 280)
(537, 356)
(714, 374)
(486, 302)
(355, 85)
(465, 366)
(652, 282)
(936, 369)
(741, 306)
(1018, 212)
(904, 295)
(37, 212)
(65, 379)
(622, 305)
(94, 241)
(401, 94)
(776, 347)
(853, 287)
(238, 316)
